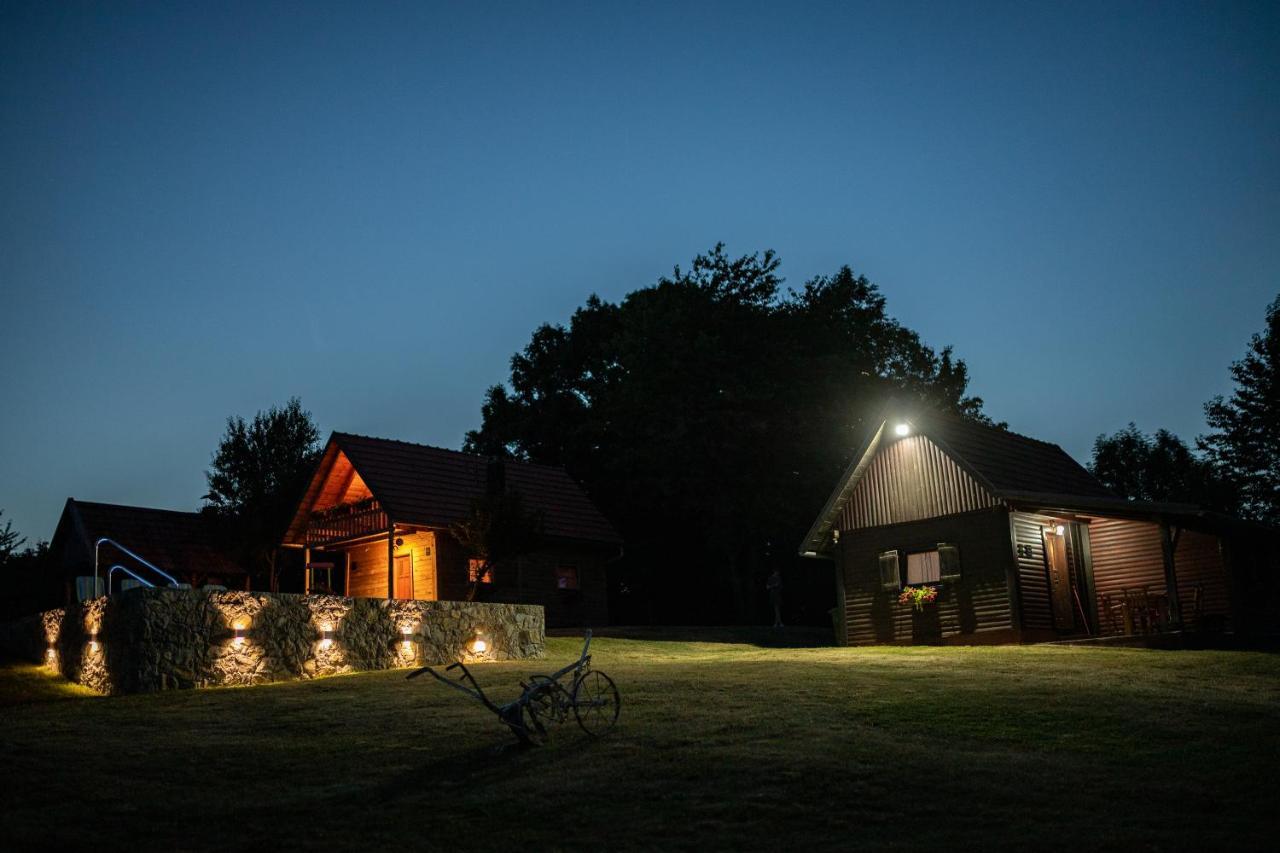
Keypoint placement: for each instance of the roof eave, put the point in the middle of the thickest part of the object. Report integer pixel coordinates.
(814, 545)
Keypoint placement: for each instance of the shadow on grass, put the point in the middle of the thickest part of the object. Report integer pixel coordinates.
(767, 638)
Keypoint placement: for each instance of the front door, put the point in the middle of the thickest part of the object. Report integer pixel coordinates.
(1055, 554)
(404, 576)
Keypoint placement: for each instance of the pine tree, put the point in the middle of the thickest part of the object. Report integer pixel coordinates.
(1245, 442)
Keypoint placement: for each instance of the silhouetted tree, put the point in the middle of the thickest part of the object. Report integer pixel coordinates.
(1159, 467)
(498, 530)
(29, 584)
(1244, 445)
(10, 540)
(709, 414)
(256, 477)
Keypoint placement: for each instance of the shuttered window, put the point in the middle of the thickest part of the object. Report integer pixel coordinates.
(949, 556)
(890, 578)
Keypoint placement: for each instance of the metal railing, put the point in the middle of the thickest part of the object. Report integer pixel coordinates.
(119, 568)
(108, 541)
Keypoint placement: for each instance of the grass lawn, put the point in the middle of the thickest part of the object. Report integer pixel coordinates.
(720, 744)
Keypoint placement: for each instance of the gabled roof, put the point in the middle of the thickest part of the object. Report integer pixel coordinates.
(175, 541)
(432, 487)
(1009, 466)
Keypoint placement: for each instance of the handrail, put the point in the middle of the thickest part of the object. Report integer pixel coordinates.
(159, 571)
(117, 567)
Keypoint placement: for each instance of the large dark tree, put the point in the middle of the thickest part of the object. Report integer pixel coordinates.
(256, 478)
(709, 415)
(1244, 444)
(1159, 467)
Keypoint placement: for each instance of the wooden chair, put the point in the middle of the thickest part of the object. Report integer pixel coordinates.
(1113, 613)
(1138, 615)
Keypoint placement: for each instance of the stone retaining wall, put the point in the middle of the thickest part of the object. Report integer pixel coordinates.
(156, 639)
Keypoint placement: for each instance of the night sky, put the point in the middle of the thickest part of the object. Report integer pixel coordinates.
(206, 211)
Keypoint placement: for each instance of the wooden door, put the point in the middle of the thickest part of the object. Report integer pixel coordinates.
(1055, 554)
(404, 576)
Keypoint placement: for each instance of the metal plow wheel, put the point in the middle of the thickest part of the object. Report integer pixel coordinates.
(596, 702)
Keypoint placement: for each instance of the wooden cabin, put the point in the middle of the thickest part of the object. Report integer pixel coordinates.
(185, 546)
(1023, 544)
(375, 521)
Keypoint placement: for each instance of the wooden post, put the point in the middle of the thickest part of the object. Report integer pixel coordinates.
(1169, 546)
(391, 560)
(346, 578)
(306, 570)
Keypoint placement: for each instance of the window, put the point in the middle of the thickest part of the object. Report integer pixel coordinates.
(474, 567)
(566, 577)
(923, 567)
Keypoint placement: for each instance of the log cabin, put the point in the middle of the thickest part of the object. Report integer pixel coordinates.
(376, 516)
(1020, 543)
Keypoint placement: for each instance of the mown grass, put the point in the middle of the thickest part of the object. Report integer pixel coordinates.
(719, 745)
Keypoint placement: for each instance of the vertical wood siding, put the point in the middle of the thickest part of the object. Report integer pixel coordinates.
(976, 604)
(369, 566)
(909, 480)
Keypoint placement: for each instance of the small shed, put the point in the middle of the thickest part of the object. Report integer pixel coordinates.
(1017, 542)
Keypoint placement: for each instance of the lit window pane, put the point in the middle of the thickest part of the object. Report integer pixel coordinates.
(924, 568)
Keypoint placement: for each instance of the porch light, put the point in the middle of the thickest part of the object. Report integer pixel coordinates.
(1059, 530)
(901, 429)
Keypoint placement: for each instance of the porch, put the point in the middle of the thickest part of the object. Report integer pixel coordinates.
(1087, 575)
(353, 549)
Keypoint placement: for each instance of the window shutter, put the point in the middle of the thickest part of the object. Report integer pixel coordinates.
(949, 557)
(890, 578)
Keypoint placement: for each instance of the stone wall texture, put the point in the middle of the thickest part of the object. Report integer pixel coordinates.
(156, 639)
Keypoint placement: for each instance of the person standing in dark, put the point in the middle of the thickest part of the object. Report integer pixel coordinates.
(774, 585)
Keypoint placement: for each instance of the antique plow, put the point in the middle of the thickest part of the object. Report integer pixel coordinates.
(588, 694)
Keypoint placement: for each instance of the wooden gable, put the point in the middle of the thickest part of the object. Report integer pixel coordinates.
(910, 479)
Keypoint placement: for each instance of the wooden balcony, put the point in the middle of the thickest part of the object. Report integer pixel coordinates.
(346, 521)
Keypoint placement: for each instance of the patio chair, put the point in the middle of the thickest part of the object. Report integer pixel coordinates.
(1139, 616)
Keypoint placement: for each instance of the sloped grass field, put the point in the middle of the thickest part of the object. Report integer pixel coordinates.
(720, 745)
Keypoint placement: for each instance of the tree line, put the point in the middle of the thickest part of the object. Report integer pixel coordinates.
(708, 415)
(1235, 467)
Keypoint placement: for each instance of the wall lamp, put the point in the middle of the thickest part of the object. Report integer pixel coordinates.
(902, 429)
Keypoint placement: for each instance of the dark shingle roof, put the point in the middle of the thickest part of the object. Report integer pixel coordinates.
(434, 487)
(1008, 465)
(1007, 462)
(177, 542)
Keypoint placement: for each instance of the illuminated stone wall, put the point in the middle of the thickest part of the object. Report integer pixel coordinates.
(157, 639)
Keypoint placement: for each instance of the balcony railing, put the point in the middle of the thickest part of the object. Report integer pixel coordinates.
(346, 521)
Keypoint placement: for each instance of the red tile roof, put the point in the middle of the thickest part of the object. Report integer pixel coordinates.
(434, 487)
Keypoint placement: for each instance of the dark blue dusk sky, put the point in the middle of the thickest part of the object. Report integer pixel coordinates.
(206, 210)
